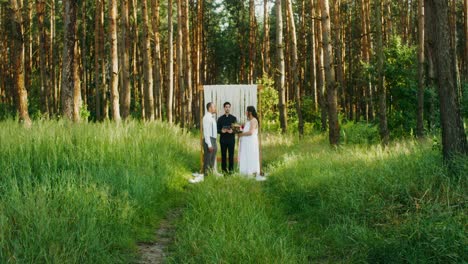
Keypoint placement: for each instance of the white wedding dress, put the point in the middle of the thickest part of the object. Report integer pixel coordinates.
(249, 155)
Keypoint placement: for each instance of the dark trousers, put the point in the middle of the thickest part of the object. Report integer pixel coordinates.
(227, 147)
(209, 158)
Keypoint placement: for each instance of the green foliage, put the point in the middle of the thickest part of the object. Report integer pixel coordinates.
(360, 133)
(269, 101)
(464, 100)
(84, 193)
(400, 75)
(7, 111)
(269, 97)
(84, 112)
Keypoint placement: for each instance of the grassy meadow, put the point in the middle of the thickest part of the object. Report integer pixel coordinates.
(87, 193)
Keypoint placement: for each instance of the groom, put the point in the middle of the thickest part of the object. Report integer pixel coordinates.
(227, 137)
(209, 142)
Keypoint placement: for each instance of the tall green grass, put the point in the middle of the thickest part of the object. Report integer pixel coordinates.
(231, 220)
(353, 204)
(84, 193)
(374, 205)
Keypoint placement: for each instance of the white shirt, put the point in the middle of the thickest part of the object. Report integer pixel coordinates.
(210, 129)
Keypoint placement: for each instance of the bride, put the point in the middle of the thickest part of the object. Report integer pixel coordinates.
(249, 153)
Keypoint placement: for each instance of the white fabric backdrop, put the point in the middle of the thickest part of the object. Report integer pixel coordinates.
(240, 96)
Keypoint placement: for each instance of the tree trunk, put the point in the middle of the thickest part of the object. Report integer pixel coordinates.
(147, 66)
(77, 101)
(137, 85)
(84, 68)
(313, 56)
(465, 23)
(104, 88)
(125, 67)
(97, 56)
(384, 134)
(198, 59)
(421, 83)
(68, 58)
(453, 134)
(280, 72)
(302, 53)
(252, 40)
(266, 39)
(18, 61)
(321, 76)
(158, 82)
(28, 43)
(453, 43)
(180, 64)
(333, 126)
(339, 53)
(187, 62)
(40, 8)
(295, 70)
(240, 39)
(52, 63)
(170, 63)
(114, 85)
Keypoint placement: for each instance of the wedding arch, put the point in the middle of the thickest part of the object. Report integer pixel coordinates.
(240, 96)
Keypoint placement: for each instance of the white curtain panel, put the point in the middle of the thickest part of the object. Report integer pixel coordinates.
(240, 96)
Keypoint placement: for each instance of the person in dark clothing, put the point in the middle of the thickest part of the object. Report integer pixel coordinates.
(227, 137)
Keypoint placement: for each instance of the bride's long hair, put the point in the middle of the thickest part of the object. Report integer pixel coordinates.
(252, 111)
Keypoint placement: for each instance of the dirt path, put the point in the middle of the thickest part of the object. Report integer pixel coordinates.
(157, 251)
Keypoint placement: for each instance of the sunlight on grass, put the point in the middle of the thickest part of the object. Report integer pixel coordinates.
(367, 203)
(84, 193)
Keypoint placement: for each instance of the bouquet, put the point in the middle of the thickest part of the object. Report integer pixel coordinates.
(237, 128)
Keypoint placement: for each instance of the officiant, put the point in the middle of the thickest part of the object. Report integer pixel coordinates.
(227, 138)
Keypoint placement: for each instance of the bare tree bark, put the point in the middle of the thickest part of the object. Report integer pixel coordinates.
(53, 65)
(97, 58)
(18, 61)
(180, 64)
(295, 70)
(453, 42)
(421, 82)
(333, 126)
(148, 69)
(104, 61)
(158, 80)
(114, 85)
(125, 67)
(170, 63)
(321, 76)
(40, 9)
(69, 60)
(313, 64)
(339, 53)
(198, 64)
(280, 64)
(384, 134)
(465, 23)
(453, 134)
(252, 41)
(187, 65)
(266, 38)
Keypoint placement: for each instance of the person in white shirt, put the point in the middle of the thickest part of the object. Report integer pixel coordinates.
(210, 132)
